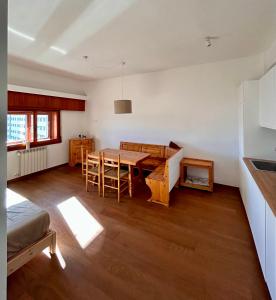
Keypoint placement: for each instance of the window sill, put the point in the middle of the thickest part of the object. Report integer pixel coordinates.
(33, 144)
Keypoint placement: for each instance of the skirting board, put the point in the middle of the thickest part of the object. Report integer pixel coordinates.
(215, 184)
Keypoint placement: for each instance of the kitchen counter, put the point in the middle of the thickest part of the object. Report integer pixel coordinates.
(266, 182)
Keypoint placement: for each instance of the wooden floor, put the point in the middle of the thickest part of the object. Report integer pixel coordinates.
(199, 248)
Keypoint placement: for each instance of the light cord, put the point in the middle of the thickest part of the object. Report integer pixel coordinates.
(122, 79)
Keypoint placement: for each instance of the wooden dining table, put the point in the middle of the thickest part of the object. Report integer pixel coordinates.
(130, 158)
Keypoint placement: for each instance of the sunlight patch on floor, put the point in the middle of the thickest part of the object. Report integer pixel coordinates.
(83, 225)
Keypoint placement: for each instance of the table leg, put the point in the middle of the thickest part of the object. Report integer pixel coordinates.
(130, 177)
(140, 174)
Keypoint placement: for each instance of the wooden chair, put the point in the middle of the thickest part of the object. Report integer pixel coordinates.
(113, 176)
(93, 170)
(83, 160)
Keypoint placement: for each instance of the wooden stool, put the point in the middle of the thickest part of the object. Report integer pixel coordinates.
(197, 163)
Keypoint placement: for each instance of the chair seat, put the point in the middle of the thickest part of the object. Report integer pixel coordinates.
(93, 170)
(113, 173)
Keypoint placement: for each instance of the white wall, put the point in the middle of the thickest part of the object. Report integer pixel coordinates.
(72, 122)
(3, 153)
(26, 76)
(196, 106)
(255, 141)
(269, 56)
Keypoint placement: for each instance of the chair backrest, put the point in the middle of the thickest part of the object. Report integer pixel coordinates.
(93, 159)
(111, 161)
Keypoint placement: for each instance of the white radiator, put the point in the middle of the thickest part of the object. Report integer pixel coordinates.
(32, 160)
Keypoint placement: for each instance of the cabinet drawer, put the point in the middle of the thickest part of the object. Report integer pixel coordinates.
(75, 142)
(75, 149)
(86, 142)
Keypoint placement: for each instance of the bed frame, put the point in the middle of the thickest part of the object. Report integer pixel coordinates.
(26, 254)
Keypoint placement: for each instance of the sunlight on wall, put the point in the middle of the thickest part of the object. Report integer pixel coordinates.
(58, 255)
(83, 225)
(14, 198)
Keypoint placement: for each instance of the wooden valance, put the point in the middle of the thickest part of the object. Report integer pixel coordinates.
(19, 101)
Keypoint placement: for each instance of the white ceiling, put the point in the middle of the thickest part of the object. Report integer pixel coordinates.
(149, 35)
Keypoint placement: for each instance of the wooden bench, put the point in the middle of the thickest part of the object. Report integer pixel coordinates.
(164, 164)
(157, 181)
(158, 153)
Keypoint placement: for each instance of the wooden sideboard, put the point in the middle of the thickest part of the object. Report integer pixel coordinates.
(75, 146)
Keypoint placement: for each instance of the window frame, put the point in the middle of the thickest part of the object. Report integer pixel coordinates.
(54, 129)
(28, 133)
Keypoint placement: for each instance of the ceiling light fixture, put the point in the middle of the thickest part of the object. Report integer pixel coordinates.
(208, 42)
(21, 34)
(57, 49)
(209, 39)
(122, 106)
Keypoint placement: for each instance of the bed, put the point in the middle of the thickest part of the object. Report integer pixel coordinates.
(28, 231)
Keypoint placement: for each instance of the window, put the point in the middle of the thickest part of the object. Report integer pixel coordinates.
(19, 128)
(42, 127)
(39, 128)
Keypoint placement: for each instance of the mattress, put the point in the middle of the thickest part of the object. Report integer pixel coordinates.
(26, 223)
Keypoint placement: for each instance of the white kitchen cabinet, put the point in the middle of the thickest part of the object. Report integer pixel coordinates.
(262, 223)
(267, 99)
(254, 204)
(270, 270)
(257, 107)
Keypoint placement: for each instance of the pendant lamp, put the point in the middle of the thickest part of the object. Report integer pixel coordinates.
(122, 106)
